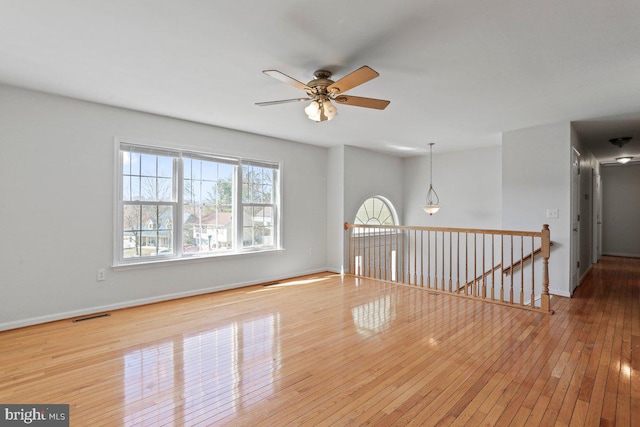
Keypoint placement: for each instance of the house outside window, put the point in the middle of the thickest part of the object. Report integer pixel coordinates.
(174, 204)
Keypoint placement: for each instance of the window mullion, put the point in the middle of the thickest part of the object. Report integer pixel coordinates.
(238, 207)
(178, 239)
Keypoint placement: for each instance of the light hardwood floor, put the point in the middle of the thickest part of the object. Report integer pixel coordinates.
(325, 350)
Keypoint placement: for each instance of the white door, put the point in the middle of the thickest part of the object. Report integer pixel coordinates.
(575, 219)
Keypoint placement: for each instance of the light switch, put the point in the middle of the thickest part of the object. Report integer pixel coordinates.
(553, 213)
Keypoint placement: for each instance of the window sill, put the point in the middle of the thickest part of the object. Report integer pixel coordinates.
(192, 259)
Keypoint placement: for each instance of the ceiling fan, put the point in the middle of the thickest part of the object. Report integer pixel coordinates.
(322, 90)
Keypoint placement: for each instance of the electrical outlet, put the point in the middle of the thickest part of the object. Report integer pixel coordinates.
(101, 275)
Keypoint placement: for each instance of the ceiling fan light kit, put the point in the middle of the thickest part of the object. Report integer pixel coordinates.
(322, 90)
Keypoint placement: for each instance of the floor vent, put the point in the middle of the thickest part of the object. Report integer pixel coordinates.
(97, 316)
(434, 293)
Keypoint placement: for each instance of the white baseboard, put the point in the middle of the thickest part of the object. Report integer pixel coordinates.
(621, 254)
(143, 301)
(560, 293)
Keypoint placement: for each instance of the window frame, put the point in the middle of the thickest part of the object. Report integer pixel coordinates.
(178, 204)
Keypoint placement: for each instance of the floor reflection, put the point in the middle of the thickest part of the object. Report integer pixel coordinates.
(218, 372)
(375, 316)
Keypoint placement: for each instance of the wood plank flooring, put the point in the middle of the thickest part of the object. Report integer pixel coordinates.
(326, 350)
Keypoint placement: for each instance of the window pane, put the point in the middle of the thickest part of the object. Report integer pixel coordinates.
(208, 221)
(134, 161)
(225, 171)
(131, 231)
(257, 226)
(196, 169)
(257, 184)
(148, 165)
(148, 230)
(165, 230)
(165, 190)
(135, 188)
(209, 171)
(126, 187)
(126, 163)
(165, 166)
(148, 188)
(206, 229)
(186, 164)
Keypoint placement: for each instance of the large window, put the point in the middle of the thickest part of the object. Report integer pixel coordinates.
(179, 204)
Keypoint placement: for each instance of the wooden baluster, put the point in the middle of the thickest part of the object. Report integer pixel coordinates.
(458, 260)
(484, 265)
(475, 265)
(493, 266)
(383, 256)
(380, 247)
(533, 276)
(415, 257)
(398, 239)
(521, 270)
(443, 261)
(450, 263)
(466, 262)
(428, 258)
(402, 267)
(349, 247)
(545, 302)
(422, 258)
(376, 254)
(502, 267)
(511, 273)
(435, 260)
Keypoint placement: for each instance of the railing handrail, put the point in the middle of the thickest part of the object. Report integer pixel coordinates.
(448, 229)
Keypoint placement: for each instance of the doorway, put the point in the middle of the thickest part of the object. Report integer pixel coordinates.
(575, 219)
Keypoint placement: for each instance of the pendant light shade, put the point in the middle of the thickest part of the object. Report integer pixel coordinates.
(433, 201)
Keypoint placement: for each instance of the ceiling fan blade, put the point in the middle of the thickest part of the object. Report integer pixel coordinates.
(357, 101)
(286, 79)
(283, 101)
(356, 78)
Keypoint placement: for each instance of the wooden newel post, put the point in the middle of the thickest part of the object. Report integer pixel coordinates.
(348, 244)
(545, 302)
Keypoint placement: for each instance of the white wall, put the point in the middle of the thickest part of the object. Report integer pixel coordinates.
(621, 210)
(56, 184)
(335, 209)
(536, 177)
(367, 174)
(469, 184)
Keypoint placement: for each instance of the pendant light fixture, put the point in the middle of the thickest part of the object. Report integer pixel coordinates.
(433, 202)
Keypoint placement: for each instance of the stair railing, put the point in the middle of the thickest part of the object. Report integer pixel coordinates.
(500, 266)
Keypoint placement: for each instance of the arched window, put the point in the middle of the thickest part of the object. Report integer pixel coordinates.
(376, 211)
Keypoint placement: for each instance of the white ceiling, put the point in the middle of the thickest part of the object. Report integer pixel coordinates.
(458, 73)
